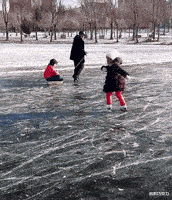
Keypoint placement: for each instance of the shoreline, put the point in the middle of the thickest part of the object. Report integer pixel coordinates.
(123, 41)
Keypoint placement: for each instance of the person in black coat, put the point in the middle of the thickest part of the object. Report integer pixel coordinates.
(114, 81)
(77, 54)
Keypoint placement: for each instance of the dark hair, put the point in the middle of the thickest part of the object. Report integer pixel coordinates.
(53, 62)
(118, 60)
(81, 33)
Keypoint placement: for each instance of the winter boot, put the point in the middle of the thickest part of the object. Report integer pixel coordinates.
(123, 108)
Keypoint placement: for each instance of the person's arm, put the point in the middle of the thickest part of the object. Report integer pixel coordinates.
(104, 68)
(122, 72)
(53, 72)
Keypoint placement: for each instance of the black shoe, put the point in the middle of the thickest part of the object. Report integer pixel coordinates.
(75, 79)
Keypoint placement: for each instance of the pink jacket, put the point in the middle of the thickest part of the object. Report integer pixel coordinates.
(49, 72)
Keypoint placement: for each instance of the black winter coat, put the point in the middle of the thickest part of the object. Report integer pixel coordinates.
(77, 50)
(111, 79)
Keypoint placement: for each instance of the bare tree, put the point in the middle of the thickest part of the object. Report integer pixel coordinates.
(5, 8)
(158, 13)
(60, 15)
(23, 13)
(72, 20)
(169, 20)
(133, 7)
(89, 14)
(57, 11)
(53, 18)
(162, 15)
(134, 15)
(153, 18)
(112, 13)
(36, 9)
(95, 14)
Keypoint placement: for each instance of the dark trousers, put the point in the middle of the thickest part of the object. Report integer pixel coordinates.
(55, 78)
(78, 69)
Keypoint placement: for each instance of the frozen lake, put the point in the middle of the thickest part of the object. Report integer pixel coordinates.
(59, 142)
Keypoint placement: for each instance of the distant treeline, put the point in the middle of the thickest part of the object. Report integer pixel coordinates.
(90, 15)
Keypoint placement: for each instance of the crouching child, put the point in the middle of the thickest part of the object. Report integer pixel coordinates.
(50, 74)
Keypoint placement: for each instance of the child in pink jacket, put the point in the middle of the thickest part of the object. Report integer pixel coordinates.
(50, 74)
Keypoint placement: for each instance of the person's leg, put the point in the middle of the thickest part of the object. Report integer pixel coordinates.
(55, 78)
(59, 78)
(77, 70)
(121, 99)
(109, 100)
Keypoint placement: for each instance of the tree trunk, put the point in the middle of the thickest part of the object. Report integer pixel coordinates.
(134, 31)
(5, 16)
(154, 29)
(95, 28)
(91, 36)
(91, 32)
(164, 30)
(51, 36)
(6, 26)
(36, 32)
(154, 25)
(137, 41)
(158, 32)
(55, 37)
(21, 35)
(117, 35)
(111, 28)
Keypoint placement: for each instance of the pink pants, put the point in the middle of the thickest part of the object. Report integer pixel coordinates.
(118, 95)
